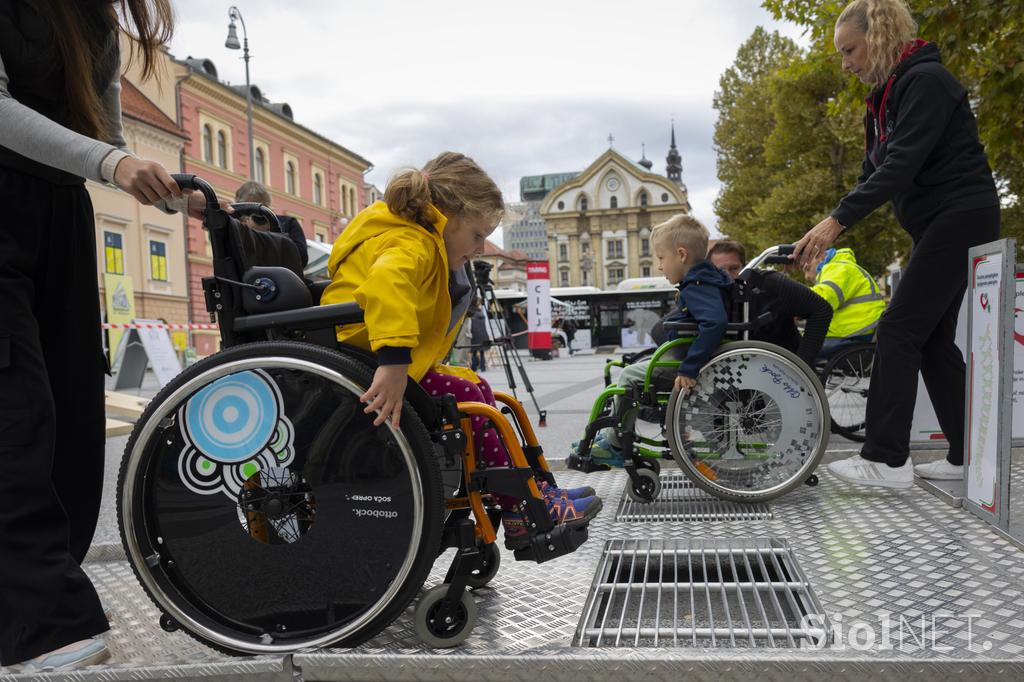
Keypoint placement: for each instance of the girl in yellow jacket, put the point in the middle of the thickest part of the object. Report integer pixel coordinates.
(395, 259)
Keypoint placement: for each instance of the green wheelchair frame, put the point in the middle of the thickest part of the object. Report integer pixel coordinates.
(642, 454)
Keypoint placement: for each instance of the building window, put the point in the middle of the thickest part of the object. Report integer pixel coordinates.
(615, 202)
(260, 167)
(352, 199)
(207, 144)
(222, 149)
(646, 271)
(563, 252)
(344, 201)
(643, 199)
(615, 248)
(289, 177)
(561, 205)
(158, 261)
(614, 276)
(664, 198)
(318, 189)
(564, 278)
(113, 252)
(645, 246)
(583, 204)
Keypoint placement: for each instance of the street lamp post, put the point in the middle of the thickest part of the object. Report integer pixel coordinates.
(232, 44)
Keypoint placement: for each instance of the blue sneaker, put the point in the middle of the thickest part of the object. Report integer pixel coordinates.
(549, 490)
(563, 512)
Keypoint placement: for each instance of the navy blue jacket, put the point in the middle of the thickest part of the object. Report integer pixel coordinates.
(703, 298)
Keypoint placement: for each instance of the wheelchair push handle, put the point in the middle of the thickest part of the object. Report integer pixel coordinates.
(246, 208)
(780, 254)
(191, 181)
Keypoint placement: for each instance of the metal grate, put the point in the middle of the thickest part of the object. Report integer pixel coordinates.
(681, 500)
(700, 593)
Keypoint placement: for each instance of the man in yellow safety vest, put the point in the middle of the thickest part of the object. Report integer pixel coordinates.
(856, 300)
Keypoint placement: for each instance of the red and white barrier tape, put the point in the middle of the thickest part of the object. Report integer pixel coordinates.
(106, 325)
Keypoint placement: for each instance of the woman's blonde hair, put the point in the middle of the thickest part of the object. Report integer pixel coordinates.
(453, 183)
(888, 27)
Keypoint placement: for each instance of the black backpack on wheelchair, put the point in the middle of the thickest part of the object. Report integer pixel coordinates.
(263, 512)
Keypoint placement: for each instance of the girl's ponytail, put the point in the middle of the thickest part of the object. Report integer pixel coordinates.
(453, 183)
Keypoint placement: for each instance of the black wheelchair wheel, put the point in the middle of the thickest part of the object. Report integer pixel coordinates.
(263, 512)
(753, 428)
(847, 377)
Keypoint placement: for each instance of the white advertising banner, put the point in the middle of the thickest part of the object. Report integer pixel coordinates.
(983, 367)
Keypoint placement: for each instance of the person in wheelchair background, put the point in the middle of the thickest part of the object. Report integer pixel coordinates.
(681, 247)
(397, 259)
(853, 295)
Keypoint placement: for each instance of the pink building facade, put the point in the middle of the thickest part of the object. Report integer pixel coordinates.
(311, 178)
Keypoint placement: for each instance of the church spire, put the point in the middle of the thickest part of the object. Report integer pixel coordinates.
(674, 162)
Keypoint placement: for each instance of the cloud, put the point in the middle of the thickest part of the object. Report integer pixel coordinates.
(524, 87)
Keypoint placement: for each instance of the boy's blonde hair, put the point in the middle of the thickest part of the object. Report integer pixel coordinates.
(888, 27)
(685, 231)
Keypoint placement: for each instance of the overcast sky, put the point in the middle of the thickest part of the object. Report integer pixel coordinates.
(523, 86)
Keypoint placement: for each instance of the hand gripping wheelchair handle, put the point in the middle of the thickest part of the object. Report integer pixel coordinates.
(194, 182)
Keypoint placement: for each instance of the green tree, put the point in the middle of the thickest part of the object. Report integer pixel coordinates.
(787, 152)
(982, 44)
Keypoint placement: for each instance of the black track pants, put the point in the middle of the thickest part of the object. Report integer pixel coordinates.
(51, 416)
(917, 333)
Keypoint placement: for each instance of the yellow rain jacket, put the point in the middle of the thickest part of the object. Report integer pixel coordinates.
(397, 272)
(856, 302)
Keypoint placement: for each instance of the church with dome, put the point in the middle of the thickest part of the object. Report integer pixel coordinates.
(598, 222)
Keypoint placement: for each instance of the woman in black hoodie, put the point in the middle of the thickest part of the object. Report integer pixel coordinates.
(924, 155)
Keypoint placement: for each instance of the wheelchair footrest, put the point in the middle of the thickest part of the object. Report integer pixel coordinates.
(585, 464)
(551, 544)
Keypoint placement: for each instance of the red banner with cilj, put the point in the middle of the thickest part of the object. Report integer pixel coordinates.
(538, 300)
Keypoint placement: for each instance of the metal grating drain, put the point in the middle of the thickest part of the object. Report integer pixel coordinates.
(681, 500)
(700, 593)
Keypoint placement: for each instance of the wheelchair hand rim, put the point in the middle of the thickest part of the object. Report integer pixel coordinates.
(676, 442)
(153, 586)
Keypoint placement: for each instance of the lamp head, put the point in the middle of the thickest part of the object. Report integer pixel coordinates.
(232, 41)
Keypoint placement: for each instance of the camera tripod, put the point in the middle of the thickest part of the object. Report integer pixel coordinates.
(480, 278)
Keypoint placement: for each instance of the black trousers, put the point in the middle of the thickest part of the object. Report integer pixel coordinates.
(51, 416)
(917, 334)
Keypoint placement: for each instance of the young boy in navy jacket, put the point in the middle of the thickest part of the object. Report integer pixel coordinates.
(681, 247)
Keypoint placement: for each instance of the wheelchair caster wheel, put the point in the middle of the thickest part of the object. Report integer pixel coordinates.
(646, 488)
(812, 480)
(439, 626)
(168, 624)
(490, 560)
(648, 463)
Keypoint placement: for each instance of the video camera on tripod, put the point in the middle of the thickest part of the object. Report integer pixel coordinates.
(500, 330)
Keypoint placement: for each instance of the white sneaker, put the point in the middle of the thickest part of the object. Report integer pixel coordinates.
(940, 470)
(860, 471)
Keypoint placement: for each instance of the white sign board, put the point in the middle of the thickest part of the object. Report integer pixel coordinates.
(538, 298)
(983, 369)
(162, 358)
(926, 425)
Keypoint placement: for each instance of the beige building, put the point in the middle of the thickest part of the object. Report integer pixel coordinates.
(142, 242)
(599, 223)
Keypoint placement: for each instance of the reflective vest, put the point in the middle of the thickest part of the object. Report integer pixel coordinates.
(856, 301)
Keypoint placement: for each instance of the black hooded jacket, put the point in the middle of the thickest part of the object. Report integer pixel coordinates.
(923, 151)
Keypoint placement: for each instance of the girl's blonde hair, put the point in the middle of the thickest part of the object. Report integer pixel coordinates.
(888, 27)
(453, 183)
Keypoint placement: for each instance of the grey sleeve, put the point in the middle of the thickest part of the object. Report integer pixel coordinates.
(29, 133)
(112, 106)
